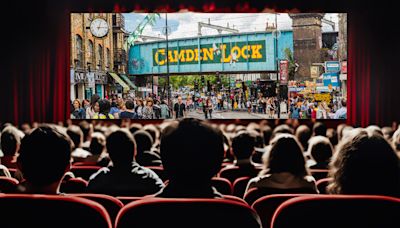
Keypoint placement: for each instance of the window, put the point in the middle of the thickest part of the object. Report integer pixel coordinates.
(91, 52)
(100, 57)
(79, 52)
(108, 57)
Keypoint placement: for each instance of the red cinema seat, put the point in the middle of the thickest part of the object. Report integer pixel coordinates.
(111, 204)
(8, 184)
(322, 184)
(239, 186)
(84, 171)
(267, 205)
(255, 193)
(331, 211)
(128, 199)
(73, 185)
(222, 185)
(233, 173)
(23, 210)
(187, 213)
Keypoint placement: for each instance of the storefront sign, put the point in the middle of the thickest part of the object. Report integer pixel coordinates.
(332, 66)
(90, 80)
(253, 51)
(331, 79)
(314, 70)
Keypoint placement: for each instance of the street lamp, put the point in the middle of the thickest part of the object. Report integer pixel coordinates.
(277, 65)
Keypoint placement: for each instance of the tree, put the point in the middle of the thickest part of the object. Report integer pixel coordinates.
(292, 63)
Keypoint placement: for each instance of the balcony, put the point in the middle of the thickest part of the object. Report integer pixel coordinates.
(118, 22)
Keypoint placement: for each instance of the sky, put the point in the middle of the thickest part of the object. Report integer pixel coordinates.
(185, 24)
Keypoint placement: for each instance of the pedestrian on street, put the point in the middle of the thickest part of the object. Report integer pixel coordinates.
(94, 107)
(79, 112)
(179, 109)
(139, 108)
(148, 112)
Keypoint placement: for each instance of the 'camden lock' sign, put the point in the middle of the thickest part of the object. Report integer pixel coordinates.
(251, 51)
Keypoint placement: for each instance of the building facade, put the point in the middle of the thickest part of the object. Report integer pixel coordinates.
(96, 61)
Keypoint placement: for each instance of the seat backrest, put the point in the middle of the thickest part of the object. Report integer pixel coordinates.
(187, 213)
(111, 204)
(319, 173)
(8, 184)
(159, 171)
(322, 184)
(222, 185)
(267, 205)
(32, 210)
(239, 186)
(84, 171)
(255, 193)
(128, 199)
(233, 173)
(74, 185)
(338, 211)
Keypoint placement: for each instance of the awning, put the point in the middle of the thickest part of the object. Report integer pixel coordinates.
(127, 80)
(120, 81)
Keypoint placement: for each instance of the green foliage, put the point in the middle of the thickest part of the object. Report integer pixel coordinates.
(292, 66)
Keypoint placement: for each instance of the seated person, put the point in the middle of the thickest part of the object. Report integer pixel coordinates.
(191, 153)
(144, 155)
(125, 177)
(76, 135)
(242, 148)
(10, 142)
(365, 164)
(303, 134)
(285, 168)
(44, 158)
(321, 150)
(97, 148)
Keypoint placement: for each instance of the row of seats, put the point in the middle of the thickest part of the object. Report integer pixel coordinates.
(224, 186)
(276, 211)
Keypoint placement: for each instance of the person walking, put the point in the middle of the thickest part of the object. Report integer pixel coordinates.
(148, 112)
(179, 109)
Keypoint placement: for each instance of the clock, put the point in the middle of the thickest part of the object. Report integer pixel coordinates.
(99, 27)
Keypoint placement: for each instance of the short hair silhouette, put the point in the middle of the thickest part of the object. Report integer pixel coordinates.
(320, 149)
(267, 133)
(366, 164)
(286, 155)
(10, 140)
(243, 145)
(97, 143)
(303, 134)
(319, 128)
(283, 128)
(121, 147)
(191, 151)
(76, 135)
(143, 140)
(42, 145)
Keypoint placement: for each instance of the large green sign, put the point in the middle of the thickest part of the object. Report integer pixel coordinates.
(252, 51)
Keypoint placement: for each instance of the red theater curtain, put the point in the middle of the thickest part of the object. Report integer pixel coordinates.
(35, 82)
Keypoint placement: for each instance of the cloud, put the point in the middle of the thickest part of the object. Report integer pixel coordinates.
(186, 24)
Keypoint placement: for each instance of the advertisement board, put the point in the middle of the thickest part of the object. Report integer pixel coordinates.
(243, 52)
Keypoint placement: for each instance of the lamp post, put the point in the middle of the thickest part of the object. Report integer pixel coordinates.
(166, 54)
(277, 66)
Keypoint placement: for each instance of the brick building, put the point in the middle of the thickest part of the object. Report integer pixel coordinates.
(94, 67)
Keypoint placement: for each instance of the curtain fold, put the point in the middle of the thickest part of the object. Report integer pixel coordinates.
(36, 82)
